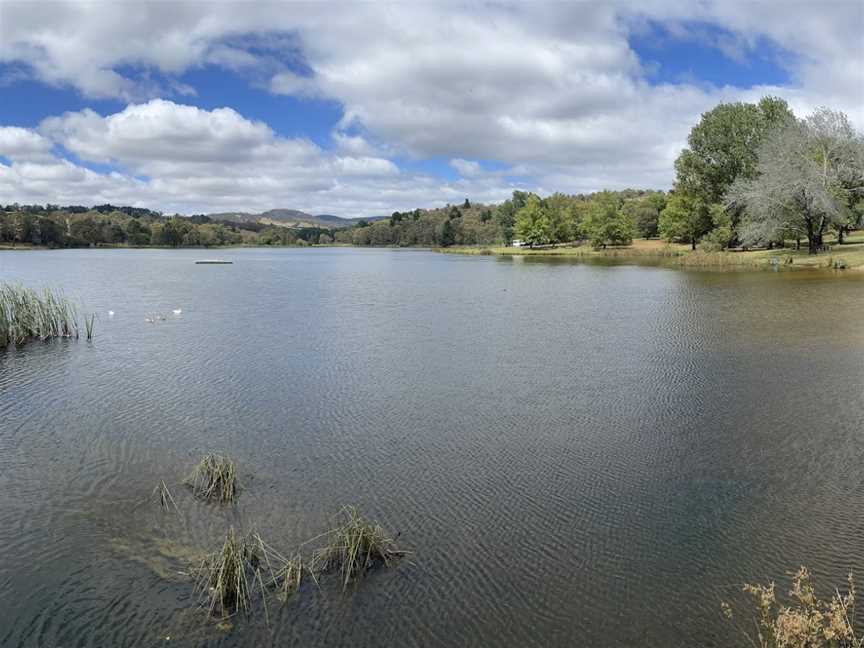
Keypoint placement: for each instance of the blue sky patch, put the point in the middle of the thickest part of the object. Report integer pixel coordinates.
(702, 53)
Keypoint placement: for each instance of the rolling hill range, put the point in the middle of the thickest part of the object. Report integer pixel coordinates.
(290, 218)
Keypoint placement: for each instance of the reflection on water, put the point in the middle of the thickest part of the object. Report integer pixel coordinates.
(576, 454)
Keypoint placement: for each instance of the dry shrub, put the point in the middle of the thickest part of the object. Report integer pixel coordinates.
(807, 621)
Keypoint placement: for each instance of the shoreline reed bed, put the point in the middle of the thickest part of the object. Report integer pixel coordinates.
(27, 314)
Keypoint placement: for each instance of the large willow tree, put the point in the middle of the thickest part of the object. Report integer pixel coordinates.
(809, 173)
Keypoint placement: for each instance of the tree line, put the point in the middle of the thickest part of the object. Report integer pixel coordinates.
(604, 218)
(108, 225)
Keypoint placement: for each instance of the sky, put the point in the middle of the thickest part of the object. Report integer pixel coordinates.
(360, 108)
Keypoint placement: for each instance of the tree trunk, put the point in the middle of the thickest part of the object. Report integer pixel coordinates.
(840, 234)
(693, 243)
(812, 237)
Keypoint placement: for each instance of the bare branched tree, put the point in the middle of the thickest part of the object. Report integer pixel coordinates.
(808, 173)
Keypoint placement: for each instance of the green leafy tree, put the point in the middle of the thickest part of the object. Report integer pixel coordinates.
(563, 216)
(137, 233)
(645, 212)
(720, 236)
(533, 224)
(685, 219)
(447, 236)
(505, 214)
(724, 146)
(606, 223)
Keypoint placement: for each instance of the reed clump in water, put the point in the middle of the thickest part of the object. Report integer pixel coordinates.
(289, 576)
(214, 478)
(26, 314)
(284, 574)
(354, 547)
(226, 578)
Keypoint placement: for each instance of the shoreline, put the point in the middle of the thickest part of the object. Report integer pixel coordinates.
(651, 252)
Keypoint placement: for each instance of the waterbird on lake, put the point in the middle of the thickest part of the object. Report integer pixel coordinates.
(177, 311)
(110, 313)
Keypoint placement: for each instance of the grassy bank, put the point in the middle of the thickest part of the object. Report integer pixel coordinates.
(654, 252)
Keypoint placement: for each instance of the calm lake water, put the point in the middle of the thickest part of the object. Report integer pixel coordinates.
(576, 455)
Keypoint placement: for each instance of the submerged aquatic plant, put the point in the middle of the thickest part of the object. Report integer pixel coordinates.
(354, 546)
(26, 314)
(214, 478)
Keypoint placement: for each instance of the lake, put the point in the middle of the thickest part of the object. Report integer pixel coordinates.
(574, 454)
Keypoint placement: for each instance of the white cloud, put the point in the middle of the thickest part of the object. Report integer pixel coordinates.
(182, 158)
(553, 89)
(23, 144)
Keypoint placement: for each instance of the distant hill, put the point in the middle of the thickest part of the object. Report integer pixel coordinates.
(290, 218)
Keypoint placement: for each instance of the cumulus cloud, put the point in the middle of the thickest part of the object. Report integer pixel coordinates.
(23, 144)
(182, 158)
(554, 90)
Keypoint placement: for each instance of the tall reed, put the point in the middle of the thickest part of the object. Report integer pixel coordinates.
(89, 321)
(27, 314)
(355, 545)
(226, 578)
(214, 478)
